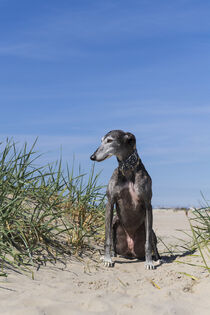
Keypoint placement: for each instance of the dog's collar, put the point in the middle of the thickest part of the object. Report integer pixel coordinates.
(130, 162)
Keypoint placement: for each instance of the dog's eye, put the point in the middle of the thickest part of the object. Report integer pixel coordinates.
(109, 140)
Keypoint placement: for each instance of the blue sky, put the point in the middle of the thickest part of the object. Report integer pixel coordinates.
(70, 71)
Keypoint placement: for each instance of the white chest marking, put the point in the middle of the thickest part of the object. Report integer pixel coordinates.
(133, 193)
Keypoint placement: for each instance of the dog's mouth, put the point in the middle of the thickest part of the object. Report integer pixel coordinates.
(99, 155)
(105, 158)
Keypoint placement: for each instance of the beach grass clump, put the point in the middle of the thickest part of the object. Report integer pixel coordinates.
(197, 244)
(200, 228)
(198, 237)
(45, 212)
(83, 208)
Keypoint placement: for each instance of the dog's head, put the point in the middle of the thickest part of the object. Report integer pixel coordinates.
(116, 142)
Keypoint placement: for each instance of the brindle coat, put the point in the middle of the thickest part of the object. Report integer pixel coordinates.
(130, 234)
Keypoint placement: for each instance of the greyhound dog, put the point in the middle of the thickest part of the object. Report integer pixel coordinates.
(130, 233)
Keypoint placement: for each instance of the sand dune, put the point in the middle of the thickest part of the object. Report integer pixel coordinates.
(89, 288)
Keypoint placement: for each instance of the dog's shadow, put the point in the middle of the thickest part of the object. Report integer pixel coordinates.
(165, 259)
(168, 259)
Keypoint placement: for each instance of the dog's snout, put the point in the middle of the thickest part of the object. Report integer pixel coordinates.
(93, 157)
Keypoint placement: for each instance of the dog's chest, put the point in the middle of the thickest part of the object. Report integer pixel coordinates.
(128, 194)
(133, 193)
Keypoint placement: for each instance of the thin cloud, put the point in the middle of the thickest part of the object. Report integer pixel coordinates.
(155, 108)
(37, 49)
(52, 141)
(65, 32)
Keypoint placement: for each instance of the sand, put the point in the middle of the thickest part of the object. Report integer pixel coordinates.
(87, 287)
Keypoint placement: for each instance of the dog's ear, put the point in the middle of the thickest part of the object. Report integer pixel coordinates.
(129, 138)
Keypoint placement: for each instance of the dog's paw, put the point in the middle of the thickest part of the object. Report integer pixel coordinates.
(149, 265)
(107, 261)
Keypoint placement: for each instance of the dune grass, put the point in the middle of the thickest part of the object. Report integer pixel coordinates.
(45, 212)
(200, 238)
(198, 243)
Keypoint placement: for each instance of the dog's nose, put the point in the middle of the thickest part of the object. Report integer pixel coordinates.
(93, 157)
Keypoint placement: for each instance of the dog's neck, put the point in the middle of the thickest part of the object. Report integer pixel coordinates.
(129, 163)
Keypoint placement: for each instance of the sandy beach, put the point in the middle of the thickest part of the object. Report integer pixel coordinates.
(87, 287)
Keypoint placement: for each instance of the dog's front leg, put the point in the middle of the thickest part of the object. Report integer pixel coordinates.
(148, 245)
(108, 234)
